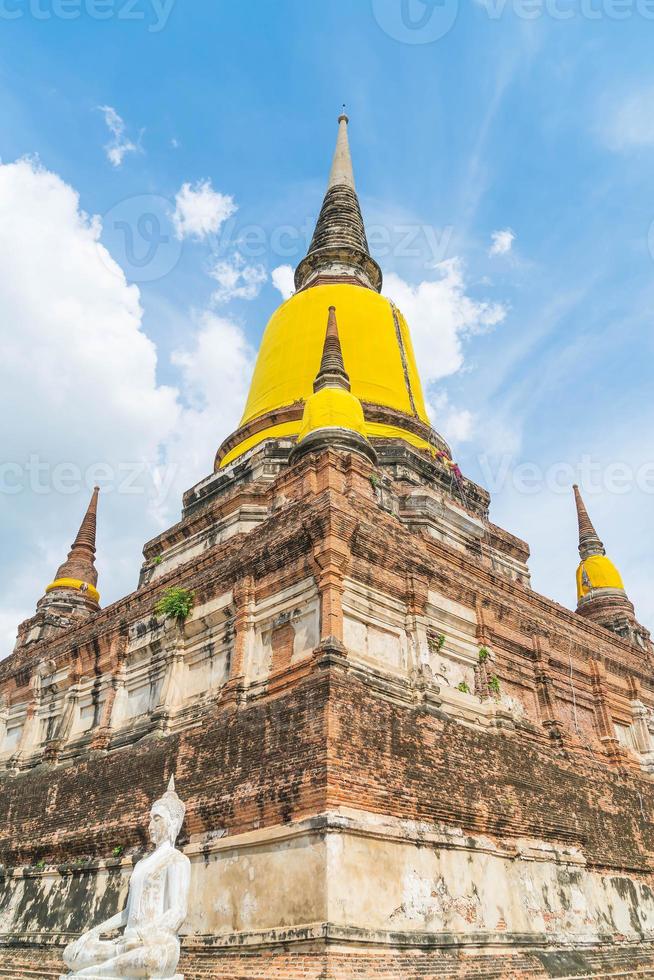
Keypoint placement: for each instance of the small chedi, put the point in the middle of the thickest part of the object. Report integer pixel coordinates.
(398, 759)
(156, 908)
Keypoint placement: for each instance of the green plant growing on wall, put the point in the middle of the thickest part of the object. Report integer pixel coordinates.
(375, 482)
(175, 604)
(40, 865)
(117, 851)
(494, 685)
(436, 643)
(463, 687)
(157, 560)
(484, 654)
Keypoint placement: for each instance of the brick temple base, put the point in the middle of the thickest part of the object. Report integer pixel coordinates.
(328, 964)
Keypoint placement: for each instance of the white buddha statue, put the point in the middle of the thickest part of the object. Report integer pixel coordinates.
(155, 911)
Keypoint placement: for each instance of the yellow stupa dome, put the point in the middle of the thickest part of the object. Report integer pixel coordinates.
(597, 572)
(380, 361)
(337, 271)
(332, 408)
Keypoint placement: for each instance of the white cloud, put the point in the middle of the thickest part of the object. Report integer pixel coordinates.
(216, 370)
(455, 424)
(236, 279)
(628, 123)
(220, 349)
(502, 242)
(283, 280)
(79, 375)
(441, 315)
(77, 339)
(119, 145)
(200, 210)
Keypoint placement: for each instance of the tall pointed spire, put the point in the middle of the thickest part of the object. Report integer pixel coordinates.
(72, 595)
(78, 573)
(342, 171)
(332, 373)
(339, 247)
(80, 563)
(589, 541)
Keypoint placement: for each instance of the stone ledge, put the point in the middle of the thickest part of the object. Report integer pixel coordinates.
(402, 940)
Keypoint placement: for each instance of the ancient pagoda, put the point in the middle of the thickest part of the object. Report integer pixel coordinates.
(398, 760)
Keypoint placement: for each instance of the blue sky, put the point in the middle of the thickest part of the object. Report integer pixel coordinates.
(536, 352)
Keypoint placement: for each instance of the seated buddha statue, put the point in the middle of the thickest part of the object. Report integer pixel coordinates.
(156, 908)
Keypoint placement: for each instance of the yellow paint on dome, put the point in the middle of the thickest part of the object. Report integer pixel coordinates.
(77, 584)
(597, 572)
(412, 369)
(291, 348)
(332, 408)
(379, 430)
(291, 430)
(377, 352)
(283, 430)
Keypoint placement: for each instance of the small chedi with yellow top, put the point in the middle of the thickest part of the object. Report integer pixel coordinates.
(601, 594)
(398, 759)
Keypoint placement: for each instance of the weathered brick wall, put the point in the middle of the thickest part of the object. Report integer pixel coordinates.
(282, 647)
(259, 766)
(326, 964)
(410, 764)
(321, 736)
(333, 739)
(267, 763)
(329, 964)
